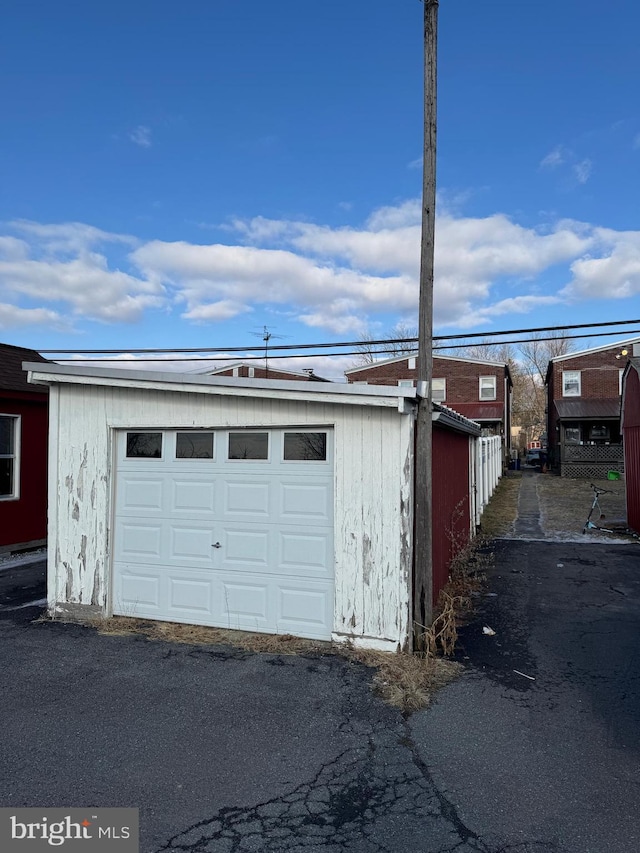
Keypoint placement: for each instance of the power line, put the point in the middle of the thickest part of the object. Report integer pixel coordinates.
(390, 351)
(361, 344)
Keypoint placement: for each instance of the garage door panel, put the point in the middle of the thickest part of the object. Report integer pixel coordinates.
(243, 546)
(191, 544)
(193, 496)
(141, 494)
(140, 540)
(304, 553)
(304, 501)
(189, 595)
(304, 610)
(137, 590)
(246, 604)
(246, 498)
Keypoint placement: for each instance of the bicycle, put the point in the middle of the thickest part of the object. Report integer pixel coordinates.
(589, 525)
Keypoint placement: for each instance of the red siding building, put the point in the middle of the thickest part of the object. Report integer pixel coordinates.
(23, 453)
(451, 510)
(631, 440)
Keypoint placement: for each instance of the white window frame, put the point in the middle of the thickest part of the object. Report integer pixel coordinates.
(411, 363)
(16, 455)
(252, 372)
(620, 374)
(443, 389)
(493, 381)
(565, 377)
(405, 383)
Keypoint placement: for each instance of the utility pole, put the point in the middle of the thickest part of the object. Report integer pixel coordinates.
(423, 556)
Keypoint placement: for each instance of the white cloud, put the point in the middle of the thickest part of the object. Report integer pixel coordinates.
(224, 309)
(582, 170)
(415, 164)
(343, 280)
(579, 170)
(141, 135)
(11, 317)
(556, 157)
(12, 249)
(615, 275)
(73, 237)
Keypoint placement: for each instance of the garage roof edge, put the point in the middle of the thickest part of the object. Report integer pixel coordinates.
(52, 373)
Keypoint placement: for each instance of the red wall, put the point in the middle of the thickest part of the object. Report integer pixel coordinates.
(25, 519)
(631, 441)
(451, 511)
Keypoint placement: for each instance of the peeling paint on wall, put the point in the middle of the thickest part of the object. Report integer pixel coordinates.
(366, 559)
(372, 535)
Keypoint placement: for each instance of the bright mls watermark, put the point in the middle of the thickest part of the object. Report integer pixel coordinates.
(79, 830)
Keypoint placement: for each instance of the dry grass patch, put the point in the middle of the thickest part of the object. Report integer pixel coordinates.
(403, 680)
(175, 632)
(501, 512)
(565, 504)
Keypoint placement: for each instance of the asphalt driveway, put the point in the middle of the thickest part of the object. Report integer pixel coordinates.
(224, 750)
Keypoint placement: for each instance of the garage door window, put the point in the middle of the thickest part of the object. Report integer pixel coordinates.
(194, 445)
(248, 445)
(144, 445)
(305, 446)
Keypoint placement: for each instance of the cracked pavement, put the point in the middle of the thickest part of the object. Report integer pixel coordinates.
(225, 751)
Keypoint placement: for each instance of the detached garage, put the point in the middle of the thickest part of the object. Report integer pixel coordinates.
(262, 505)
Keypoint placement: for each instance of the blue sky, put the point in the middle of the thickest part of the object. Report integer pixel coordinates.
(178, 175)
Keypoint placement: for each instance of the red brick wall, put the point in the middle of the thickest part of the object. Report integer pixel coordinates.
(599, 380)
(261, 373)
(462, 377)
(599, 375)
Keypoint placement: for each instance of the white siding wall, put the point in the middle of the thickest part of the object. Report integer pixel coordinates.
(373, 483)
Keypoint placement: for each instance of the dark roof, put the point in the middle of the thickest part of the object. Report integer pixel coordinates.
(581, 409)
(12, 376)
(446, 417)
(480, 411)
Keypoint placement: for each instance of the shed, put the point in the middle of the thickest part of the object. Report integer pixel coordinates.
(630, 425)
(260, 505)
(23, 453)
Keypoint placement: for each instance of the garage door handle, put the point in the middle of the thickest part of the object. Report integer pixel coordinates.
(216, 545)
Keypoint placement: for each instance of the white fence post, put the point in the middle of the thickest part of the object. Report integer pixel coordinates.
(488, 458)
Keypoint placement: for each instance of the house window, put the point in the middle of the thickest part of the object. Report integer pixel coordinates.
(598, 432)
(405, 383)
(439, 390)
(411, 363)
(570, 383)
(572, 435)
(487, 387)
(620, 374)
(9, 456)
(252, 372)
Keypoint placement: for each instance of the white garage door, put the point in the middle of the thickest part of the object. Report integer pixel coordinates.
(230, 528)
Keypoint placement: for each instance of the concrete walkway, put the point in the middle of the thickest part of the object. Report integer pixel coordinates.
(527, 524)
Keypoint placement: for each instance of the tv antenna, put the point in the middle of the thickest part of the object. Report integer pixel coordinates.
(266, 334)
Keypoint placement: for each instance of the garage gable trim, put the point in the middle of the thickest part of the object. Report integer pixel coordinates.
(358, 395)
